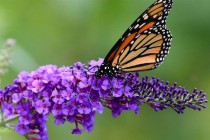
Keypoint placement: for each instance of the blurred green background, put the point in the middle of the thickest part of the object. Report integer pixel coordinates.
(62, 32)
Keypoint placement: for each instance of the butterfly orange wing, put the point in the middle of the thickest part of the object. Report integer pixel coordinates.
(145, 43)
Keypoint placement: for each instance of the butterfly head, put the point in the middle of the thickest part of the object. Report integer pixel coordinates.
(107, 70)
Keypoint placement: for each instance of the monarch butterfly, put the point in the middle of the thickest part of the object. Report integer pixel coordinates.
(144, 44)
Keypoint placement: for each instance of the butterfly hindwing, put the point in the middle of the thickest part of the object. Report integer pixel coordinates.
(147, 52)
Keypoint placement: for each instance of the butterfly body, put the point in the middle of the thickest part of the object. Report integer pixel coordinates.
(108, 70)
(143, 46)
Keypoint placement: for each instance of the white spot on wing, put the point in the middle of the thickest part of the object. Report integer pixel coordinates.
(142, 24)
(137, 25)
(145, 16)
(132, 42)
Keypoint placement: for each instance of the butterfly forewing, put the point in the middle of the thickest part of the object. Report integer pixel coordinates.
(144, 44)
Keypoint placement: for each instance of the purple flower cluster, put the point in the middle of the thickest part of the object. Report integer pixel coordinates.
(159, 95)
(73, 94)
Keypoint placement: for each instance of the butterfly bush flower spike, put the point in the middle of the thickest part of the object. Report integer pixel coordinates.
(74, 95)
